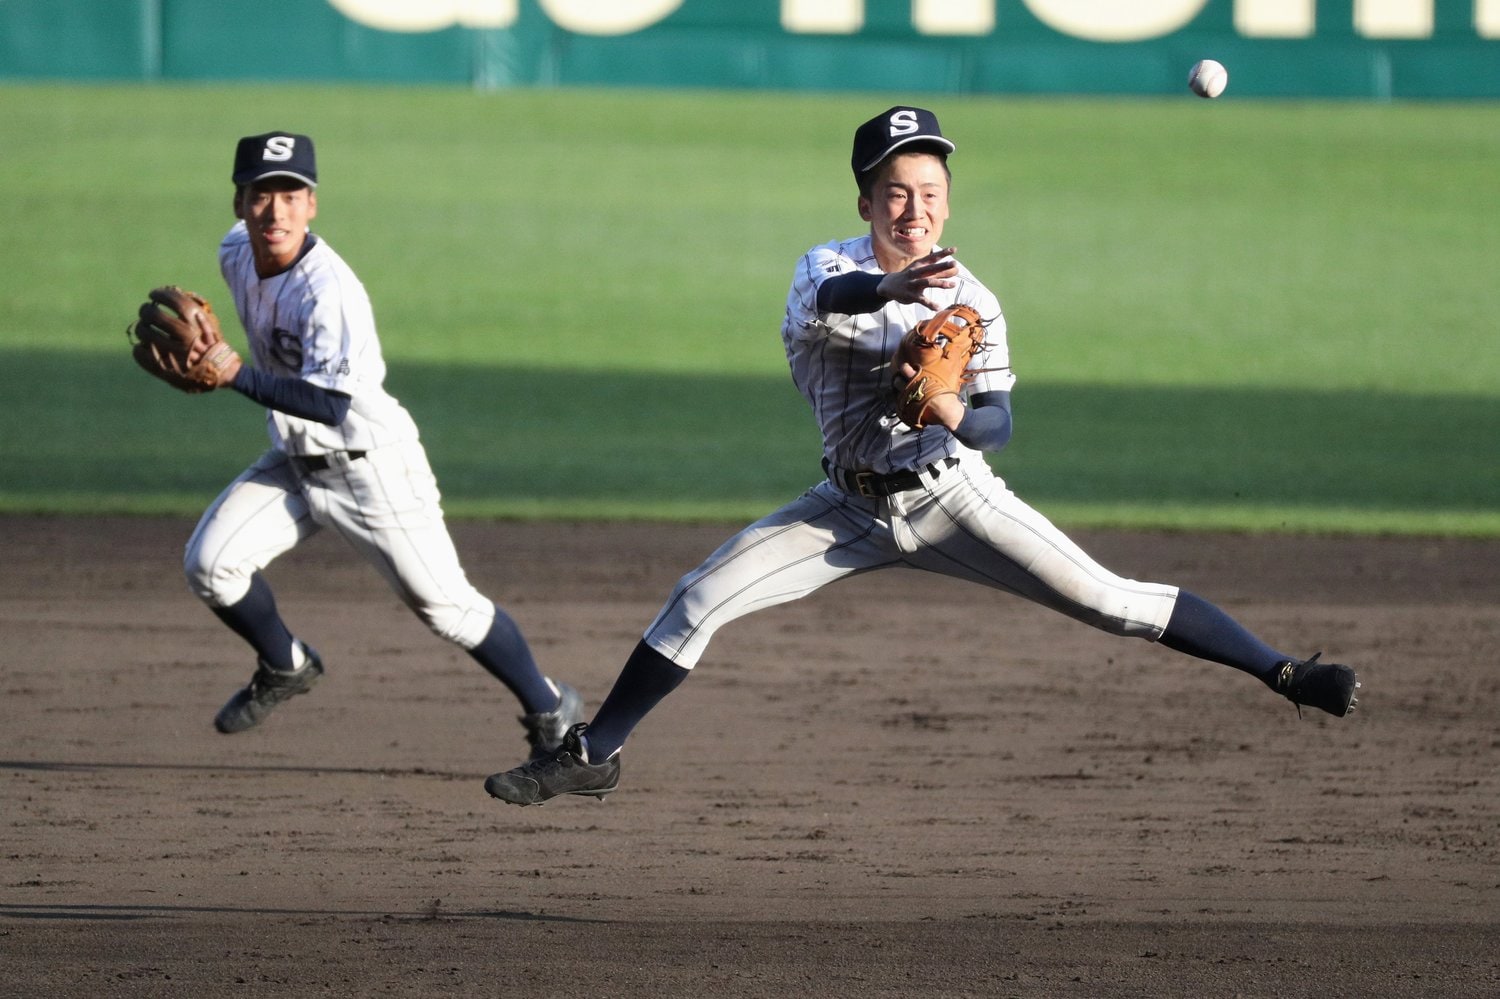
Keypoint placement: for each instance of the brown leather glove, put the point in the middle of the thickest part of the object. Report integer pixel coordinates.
(176, 337)
(939, 349)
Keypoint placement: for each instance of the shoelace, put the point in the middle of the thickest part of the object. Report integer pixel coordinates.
(1284, 682)
(569, 748)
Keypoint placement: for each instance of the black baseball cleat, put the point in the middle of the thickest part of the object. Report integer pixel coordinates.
(267, 688)
(545, 730)
(566, 771)
(1328, 686)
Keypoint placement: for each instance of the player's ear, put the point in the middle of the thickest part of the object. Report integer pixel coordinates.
(864, 208)
(312, 205)
(239, 202)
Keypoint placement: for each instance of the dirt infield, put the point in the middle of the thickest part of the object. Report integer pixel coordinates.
(1047, 811)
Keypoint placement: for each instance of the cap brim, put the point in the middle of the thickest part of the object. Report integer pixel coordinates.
(932, 140)
(254, 178)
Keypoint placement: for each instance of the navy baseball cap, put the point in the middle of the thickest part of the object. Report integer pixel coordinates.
(275, 154)
(900, 126)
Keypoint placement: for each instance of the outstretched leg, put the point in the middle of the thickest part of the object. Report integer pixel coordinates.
(256, 518)
(255, 619)
(551, 707)
(807, 544)
(284, 669)
(648, 677)
(388, 508)
(972, 527)
(1200, 629)
(505, 655)
(588, 762)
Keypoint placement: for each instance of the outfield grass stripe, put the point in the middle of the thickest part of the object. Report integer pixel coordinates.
(1233, 314)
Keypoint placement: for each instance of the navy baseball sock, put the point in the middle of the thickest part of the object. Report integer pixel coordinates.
(1200, 629)
(648, 677)
(255, 620)
(506, 655)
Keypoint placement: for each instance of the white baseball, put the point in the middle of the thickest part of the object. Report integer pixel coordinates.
(1208, 78)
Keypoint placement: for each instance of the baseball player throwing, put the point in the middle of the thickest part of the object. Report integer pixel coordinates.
(344, 455)
(896, 494)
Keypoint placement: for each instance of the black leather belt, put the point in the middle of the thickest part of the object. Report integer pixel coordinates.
(321, 462)
(873, 484)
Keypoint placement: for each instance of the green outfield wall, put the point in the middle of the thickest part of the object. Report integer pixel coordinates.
(1380, 49)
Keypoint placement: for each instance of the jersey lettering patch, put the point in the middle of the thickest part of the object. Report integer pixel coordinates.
(286, 349)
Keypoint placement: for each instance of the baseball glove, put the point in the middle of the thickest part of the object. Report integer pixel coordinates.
(177, 339)
(939, 349)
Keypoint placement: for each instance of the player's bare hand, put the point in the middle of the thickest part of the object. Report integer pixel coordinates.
(910, 284)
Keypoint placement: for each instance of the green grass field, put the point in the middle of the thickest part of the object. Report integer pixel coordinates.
(1244, 315)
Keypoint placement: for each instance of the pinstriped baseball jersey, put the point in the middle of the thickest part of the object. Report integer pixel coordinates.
(842, 364)
(314, 322)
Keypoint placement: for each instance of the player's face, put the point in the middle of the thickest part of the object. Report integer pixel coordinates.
(277, 214)
(906, 209)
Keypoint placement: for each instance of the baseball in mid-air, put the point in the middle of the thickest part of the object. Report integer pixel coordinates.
(1208, 78)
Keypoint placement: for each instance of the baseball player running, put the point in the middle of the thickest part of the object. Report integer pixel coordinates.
(344, 454)
(896, 495)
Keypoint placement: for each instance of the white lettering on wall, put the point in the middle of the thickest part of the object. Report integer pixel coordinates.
(953, 17)
(1275, 18)
(1112, 21)
(1487, 18)
(1371, 18)
(1393, 18)
(428, 15)
(822, 17)
(1094, 20)
(617, 17)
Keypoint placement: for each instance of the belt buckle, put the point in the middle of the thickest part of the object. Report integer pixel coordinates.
(864, 484)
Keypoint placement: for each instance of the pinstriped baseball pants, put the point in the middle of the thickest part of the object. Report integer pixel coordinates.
(967, 524)
(386, 505)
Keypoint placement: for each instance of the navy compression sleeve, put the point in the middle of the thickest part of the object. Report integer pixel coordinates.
(851, 294)
(987, 424)
(292, 396)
